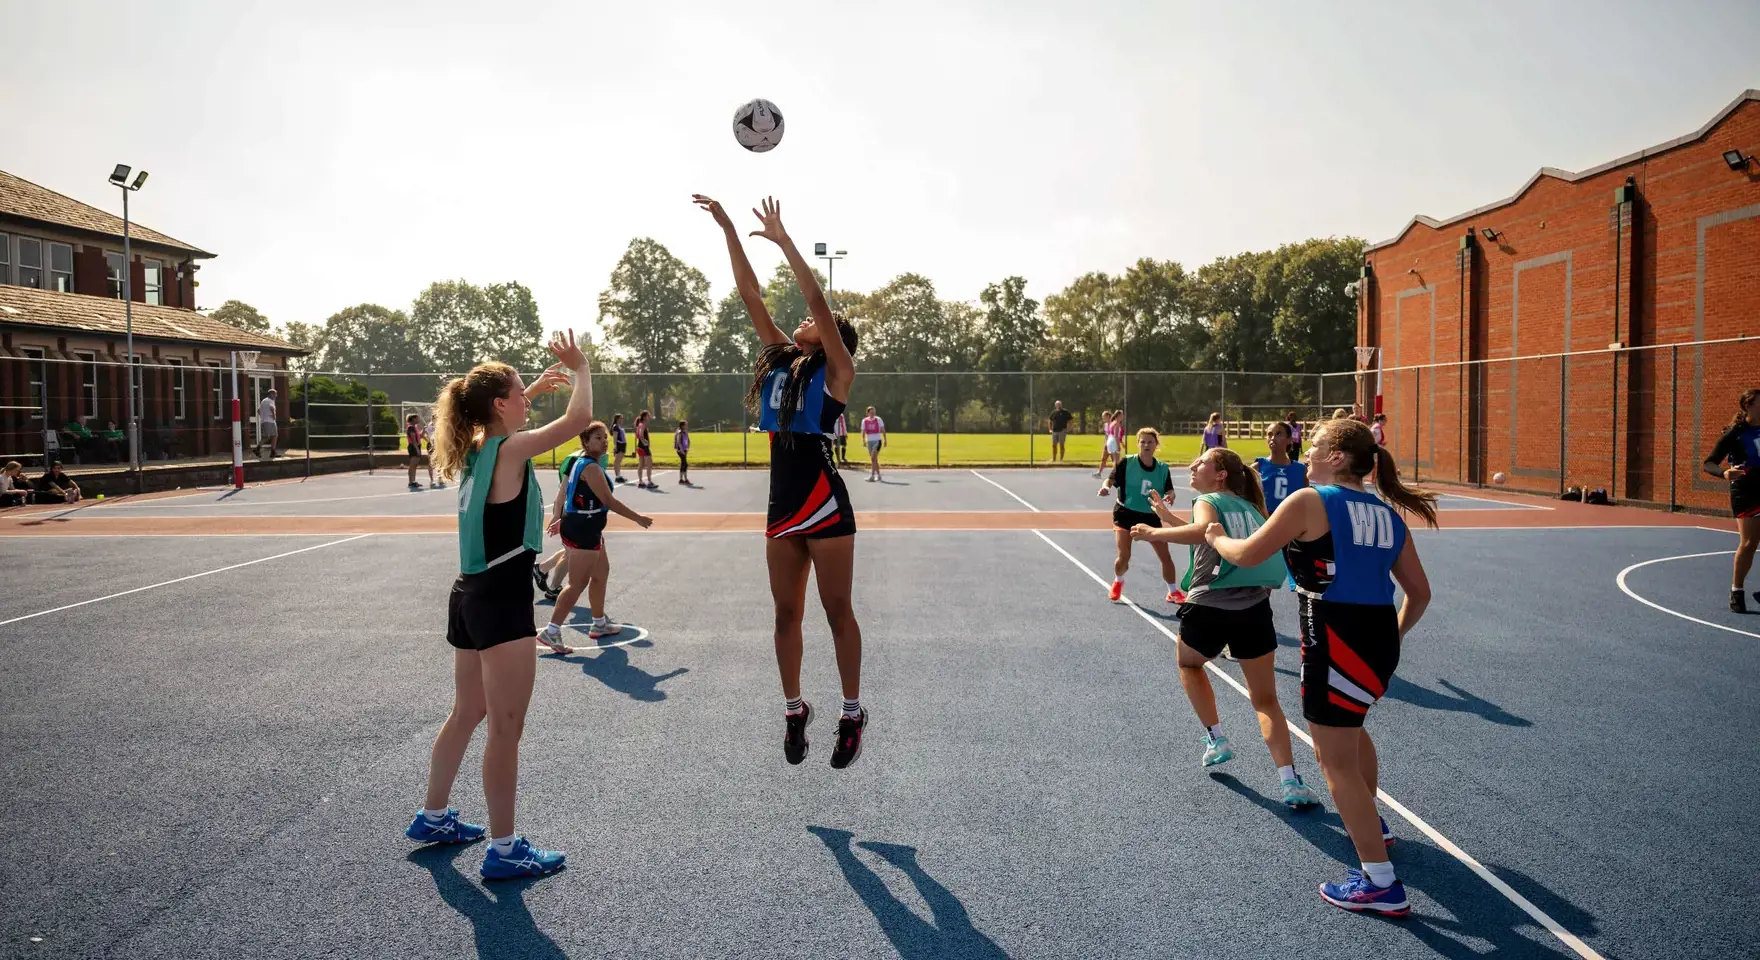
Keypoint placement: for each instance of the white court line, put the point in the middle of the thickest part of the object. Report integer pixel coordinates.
(1507, 503)
(240, 504)
(193, 576)
(1621, 580)
(1004, 489)
(1569, 939)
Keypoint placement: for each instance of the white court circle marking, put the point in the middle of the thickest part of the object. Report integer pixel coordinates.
(1621, 581)
(641, 633)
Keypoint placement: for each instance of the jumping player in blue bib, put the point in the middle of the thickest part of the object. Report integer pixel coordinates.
(1346, 548)
(479, 427)
(801, 386)
(1740, 445)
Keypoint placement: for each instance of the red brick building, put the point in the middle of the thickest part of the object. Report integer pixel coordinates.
(62, 334)
(1658, 248)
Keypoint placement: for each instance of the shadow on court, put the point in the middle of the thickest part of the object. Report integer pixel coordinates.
(951, 935)
(1472, 910)
(611, 667)
(503, 927)
(1462, 702)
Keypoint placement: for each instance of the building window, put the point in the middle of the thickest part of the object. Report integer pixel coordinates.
(113, 265)
(88, 364)
(30, 262)
(61, 267)
(140, 410)
(37, 376)
(178, 410)
(5, 258)
(151, 272)
(217, 389)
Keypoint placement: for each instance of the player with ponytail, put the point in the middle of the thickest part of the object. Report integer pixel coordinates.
(480, 438)
(1346, 548)
(801, 386)
(1740, 445)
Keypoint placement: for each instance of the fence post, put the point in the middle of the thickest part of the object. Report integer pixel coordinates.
(305, 391)
(935, 378)
(1674, 406)
(1613, 451)
(1417, 422)
(745, 431)
(1322, 399)
(371, 461)
(1563, 416)
(1032, 428)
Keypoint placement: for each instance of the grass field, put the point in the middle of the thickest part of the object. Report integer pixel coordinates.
(917, 450)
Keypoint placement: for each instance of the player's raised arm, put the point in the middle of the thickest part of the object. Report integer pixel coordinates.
(529, 443)
(751, 293)
(840, 367)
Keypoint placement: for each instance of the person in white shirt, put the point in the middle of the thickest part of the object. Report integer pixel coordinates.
(1379, 429)
(874, 435)
(266, 422)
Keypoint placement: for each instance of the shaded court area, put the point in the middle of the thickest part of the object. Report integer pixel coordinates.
(237, 743)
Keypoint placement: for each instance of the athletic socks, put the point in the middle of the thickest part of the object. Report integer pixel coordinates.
(1214, 731)
(794, 705)
(435, 816)
(852, 708)
(504, 846)
(1286, 774)
(1379, 874)
(552, 630)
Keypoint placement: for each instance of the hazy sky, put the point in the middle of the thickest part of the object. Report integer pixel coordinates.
(338, 153)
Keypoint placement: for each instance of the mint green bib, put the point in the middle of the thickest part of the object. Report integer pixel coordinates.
(1238, 517)
(473, 496)
(1138, 481)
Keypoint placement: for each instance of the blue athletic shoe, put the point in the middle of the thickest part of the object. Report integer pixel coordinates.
(1298, 794)
(1357, 894)
(448, 829)
(524, 860)
(1387, 837)
(1217, 750)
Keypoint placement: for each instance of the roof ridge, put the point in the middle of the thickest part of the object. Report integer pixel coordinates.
(163, 236)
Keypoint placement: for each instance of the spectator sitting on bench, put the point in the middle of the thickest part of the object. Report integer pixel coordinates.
(55, 486)
(79, 438)
(12, 486)
(112, 441)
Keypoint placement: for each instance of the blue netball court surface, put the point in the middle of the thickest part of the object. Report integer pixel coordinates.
(219, 707)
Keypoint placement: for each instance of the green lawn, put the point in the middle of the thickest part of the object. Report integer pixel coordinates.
(917, 450)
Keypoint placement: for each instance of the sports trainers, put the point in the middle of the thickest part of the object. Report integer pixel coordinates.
(524, 860)
(551, 636)
(1387, 836)
(1356, 893)
(1298, 794)
(794, 734)
(541, 578)
(1738, 604)
(1176, 595)
(1217, 750)
(448, 829)
(603, 629)
(1116, 591)
(849, 740)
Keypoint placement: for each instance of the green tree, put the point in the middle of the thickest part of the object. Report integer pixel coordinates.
(784, 300)
(370, 338)
(242, 315)
(654, 311)
(334, 411)
(1013, 333)
(306, 336)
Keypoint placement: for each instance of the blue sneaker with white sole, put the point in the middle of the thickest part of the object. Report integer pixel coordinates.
(447, 829)
(524, 860)
(1386, 834)
(1357, 894)
(1298, 794)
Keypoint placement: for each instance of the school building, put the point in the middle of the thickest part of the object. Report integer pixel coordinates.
(63, 348)
(1610, 282)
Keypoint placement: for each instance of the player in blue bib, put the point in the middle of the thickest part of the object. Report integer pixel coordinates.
(1740, 445)
(801, 386)
(1346, 547)
(583, 504)
(1279, 474)
(479, 426)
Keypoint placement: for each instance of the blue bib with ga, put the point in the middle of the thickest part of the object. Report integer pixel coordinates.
(1280, 482)
(579, 498)
(1367, 537)
(808, 413)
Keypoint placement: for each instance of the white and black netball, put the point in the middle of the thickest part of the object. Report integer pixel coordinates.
(757, 126)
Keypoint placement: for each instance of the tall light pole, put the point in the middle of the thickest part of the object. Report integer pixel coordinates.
(119, 176)
(830, 267)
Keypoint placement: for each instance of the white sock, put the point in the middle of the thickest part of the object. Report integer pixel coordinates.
(1172, 586)
(1214, 731)
(600, 620)
(1286, 774)
(436, 815)
(1117, 579)
(852, 708)
(793, 705)
(552, 630)
(504, 845)
(1380, 874)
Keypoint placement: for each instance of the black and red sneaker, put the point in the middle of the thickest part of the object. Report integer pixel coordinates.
(794, 737)
(849, 740)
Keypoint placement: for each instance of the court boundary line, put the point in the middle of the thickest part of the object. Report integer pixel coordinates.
(1011, 493)
(1496, 883)
(193, 576)
(1507, 503)
(1620, 581)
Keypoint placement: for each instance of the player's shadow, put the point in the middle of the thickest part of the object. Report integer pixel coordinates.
(501, 924)
(950, 935)
(611, 667)
(1461, 702)
(1471, 910)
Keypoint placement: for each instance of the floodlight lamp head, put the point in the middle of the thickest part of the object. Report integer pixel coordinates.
(140, 180)
(119, 176)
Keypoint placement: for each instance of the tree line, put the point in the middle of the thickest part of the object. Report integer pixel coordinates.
(1284, 312)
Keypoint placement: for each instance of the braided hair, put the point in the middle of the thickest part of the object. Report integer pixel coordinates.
(801, 368)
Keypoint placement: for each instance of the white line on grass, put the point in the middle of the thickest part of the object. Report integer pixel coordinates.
(1004, 489)
(1569, 939)
(193, 576)
(1621, 580)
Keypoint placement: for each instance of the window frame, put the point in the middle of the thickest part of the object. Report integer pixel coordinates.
(39, 268)
(36, 378)
(6, 258)
(153, 288)
(88, 382)
(115, 281)
(179, 406)
(54, 273)
(219, 390)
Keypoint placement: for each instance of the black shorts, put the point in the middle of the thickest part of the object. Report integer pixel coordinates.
(684, 462)
(1246, 633)
(1349, 652)
(415, 454)
(807, 495)
(622, 448)
(1745, 501)
(490, 608)
(582, 531)
(1125, 518)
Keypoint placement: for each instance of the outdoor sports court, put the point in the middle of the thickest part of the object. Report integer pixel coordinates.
(220, 705)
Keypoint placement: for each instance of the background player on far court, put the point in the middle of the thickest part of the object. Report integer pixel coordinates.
(1740, 445)
(1134, 478)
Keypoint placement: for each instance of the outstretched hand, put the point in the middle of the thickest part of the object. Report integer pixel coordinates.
(554, 376)
(715, 210)
(565, 351)
(1142, 532)
(771, 217)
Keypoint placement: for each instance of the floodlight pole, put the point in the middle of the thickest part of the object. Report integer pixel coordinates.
(237, 430)
(830, 269)
(134, 424)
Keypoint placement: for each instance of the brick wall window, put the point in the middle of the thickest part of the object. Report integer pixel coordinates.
(30, 262)
(38, 374)
(88, 365)
(178, 407)
(113, 266)
(153, 273)
(5, 258)
(61, 267)
(217, 388)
